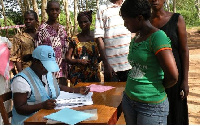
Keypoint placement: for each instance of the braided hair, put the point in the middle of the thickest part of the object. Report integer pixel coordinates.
(134, 8)
(88, 14)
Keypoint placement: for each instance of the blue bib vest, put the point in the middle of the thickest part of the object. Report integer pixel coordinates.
(38, 92)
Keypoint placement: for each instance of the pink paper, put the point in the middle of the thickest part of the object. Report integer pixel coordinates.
(99, 88)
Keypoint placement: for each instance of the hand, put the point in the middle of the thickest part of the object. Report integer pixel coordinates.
(84, 90)
(49, 104)
(84, 61)
(185, 88)
(108, 72)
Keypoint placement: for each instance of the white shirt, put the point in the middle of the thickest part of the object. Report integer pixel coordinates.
(20, 85)
(110, 26)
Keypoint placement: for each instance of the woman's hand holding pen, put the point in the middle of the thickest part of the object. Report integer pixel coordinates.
(84, 90)
(49, 104)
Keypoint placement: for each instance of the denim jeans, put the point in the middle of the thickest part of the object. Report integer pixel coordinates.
(137, 113)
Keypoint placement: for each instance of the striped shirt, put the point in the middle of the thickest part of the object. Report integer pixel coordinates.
(110, 26)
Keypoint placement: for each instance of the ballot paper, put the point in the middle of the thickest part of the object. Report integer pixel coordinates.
(69, 116)
(91, 111)
(99, 88)
(69, 100)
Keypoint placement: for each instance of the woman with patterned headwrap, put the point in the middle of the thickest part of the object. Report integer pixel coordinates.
(85, 64)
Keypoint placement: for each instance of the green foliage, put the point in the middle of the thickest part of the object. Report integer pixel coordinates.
(92, 5)
(62, 18)
(11, 32)
(187, 9)
(191, 19)
(16, 17)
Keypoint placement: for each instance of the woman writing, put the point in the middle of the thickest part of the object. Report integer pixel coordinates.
(36, 87)
(153, 68)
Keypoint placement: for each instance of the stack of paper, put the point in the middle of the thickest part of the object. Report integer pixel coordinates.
(69, 116)
(69, 100)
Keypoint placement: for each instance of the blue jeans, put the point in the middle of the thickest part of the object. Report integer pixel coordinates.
(137, 113)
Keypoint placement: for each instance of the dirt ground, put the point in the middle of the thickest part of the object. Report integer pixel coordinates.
(194, 77)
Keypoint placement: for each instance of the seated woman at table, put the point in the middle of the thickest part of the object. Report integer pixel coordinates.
(36, 87)
(153, 68)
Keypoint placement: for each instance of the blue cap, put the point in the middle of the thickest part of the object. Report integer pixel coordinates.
(46, 55)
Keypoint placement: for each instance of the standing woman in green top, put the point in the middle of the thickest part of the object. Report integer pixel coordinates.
(153, 68)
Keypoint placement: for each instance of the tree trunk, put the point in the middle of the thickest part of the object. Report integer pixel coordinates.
(28, 5)
(97, 1)
(43, 11)
(82, 5)
(197, 6)
(21, 6)
(174, 6)
(168, 7)
(68, 21)
(86, 2)
(79, 8)
(75, 18)
(35, 7)
(4, 15)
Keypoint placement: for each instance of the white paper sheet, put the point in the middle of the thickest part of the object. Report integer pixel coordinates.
(69, 100)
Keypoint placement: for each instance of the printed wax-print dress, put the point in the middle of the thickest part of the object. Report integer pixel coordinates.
(82, 73)
(47, 35)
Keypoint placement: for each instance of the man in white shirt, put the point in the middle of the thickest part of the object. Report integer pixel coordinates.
(113, 41)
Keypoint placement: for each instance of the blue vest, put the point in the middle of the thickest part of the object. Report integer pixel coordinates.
(38, 92)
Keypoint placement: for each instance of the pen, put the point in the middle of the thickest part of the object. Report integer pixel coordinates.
(86, 89)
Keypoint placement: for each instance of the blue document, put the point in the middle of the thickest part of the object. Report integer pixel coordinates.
(69, 116)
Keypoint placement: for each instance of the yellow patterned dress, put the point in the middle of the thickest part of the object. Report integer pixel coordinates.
(23, 44)
(85, 73)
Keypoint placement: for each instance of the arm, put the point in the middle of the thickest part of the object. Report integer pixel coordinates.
(21, 106)
(74, 61)
(82, 90)
(108, 70)
(99, 35)
(18, 65)
(168, 65)
(184, 55)
(15, 54)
